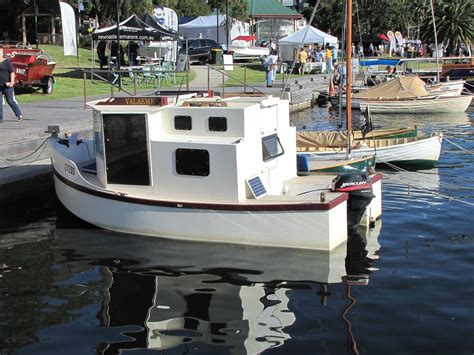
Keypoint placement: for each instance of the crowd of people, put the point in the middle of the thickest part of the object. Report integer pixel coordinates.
(131, 51)
(327, 55)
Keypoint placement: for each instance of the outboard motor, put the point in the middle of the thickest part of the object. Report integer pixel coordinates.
(359, 188)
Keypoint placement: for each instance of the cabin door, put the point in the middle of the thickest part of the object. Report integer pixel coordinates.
(126, 149)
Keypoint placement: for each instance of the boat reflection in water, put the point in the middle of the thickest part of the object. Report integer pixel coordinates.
(208, 295)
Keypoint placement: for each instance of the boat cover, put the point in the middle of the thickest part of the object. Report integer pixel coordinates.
(405, 87)
(330, 139)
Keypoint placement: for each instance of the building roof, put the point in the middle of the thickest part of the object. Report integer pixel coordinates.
(270, 8)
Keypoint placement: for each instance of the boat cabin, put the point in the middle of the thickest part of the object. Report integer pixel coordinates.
(231, 149)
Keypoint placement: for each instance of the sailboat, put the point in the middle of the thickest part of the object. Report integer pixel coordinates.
(343, 162)
(418, 150)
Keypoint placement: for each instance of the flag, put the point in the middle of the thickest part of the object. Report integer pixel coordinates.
(68, 21)
(399, 38)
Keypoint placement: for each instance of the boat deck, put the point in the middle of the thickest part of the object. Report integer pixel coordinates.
(300, 190)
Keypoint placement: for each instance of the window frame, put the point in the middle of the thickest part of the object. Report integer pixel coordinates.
(264, 148)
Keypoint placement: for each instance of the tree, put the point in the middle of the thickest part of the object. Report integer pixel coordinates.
(237, 9)
(329, 16)
(106, 10)
(454, 21)
(193, 8)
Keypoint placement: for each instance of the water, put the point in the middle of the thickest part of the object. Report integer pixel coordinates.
(404, 287)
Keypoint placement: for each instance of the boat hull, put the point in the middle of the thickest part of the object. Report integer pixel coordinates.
(306, 230)
(420, 152)
(447, 88)
(433, 105)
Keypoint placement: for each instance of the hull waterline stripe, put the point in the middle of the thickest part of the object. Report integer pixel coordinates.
(282, 207)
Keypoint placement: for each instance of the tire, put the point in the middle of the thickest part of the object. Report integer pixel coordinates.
(48, 87)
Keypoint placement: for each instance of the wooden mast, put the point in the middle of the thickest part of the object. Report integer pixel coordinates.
(349, 68)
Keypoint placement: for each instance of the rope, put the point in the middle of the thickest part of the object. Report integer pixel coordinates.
(360, 31)
(450, 198)
(457, 145)
(42, 145)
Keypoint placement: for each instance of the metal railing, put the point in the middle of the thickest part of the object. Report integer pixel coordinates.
(116, 79)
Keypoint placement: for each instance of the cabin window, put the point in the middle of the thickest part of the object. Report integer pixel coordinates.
(126, 149)
(192, 162)
(271, 147)
(183, 123)
(218, 124)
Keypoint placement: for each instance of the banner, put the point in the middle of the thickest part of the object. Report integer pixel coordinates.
(399, 38)
(68, 21)
(166, 17)
(391, 37)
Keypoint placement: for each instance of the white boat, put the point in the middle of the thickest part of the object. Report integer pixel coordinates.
(446, 88)
(420, 151)
(408, 94)
(203, 169)
(440, 104)
(248, 52)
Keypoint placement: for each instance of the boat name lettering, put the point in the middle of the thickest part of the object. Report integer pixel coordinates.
(69, 169)
(140, 101)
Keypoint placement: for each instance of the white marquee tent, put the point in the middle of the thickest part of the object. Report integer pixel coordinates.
(213, 26)
(289, 44)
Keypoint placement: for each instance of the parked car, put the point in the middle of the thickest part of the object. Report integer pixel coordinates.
(200, 49)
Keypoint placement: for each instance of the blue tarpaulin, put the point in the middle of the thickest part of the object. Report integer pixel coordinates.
(368, 62)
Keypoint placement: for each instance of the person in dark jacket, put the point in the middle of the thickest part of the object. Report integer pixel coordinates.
(7, 81)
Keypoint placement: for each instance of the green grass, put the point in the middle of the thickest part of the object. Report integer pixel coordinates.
(69, 82)
(254, 74)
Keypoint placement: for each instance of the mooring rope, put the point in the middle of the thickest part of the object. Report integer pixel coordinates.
(42, 145)
(457, 145)
(434, 193)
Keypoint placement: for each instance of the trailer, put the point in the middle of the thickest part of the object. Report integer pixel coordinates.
(33, 68)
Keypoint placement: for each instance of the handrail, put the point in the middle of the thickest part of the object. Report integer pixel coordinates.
(221, 71)
(118, 74)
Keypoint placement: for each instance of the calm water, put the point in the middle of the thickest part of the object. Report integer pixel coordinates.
(404, 287)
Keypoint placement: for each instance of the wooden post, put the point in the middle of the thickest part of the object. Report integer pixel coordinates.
(223, 86)
(134, 84)
(84, 78)
(111, 90)
(208, 78)
(349, 67)
(23, 27)
(245, 78)
(187, 81)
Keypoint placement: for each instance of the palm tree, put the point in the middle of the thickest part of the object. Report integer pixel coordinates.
(454, 21)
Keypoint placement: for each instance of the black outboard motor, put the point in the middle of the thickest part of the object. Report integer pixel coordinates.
(359, 188)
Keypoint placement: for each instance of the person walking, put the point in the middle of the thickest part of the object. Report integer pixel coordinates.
(7, 81)
(302, 59)
(328, 55)
(270, 63)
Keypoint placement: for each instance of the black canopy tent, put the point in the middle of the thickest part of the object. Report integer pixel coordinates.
(133, 29)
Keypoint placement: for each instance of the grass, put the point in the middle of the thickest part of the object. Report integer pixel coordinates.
(69, 82)
(251, 74)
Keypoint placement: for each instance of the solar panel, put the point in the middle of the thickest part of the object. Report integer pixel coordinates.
(256, 185)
